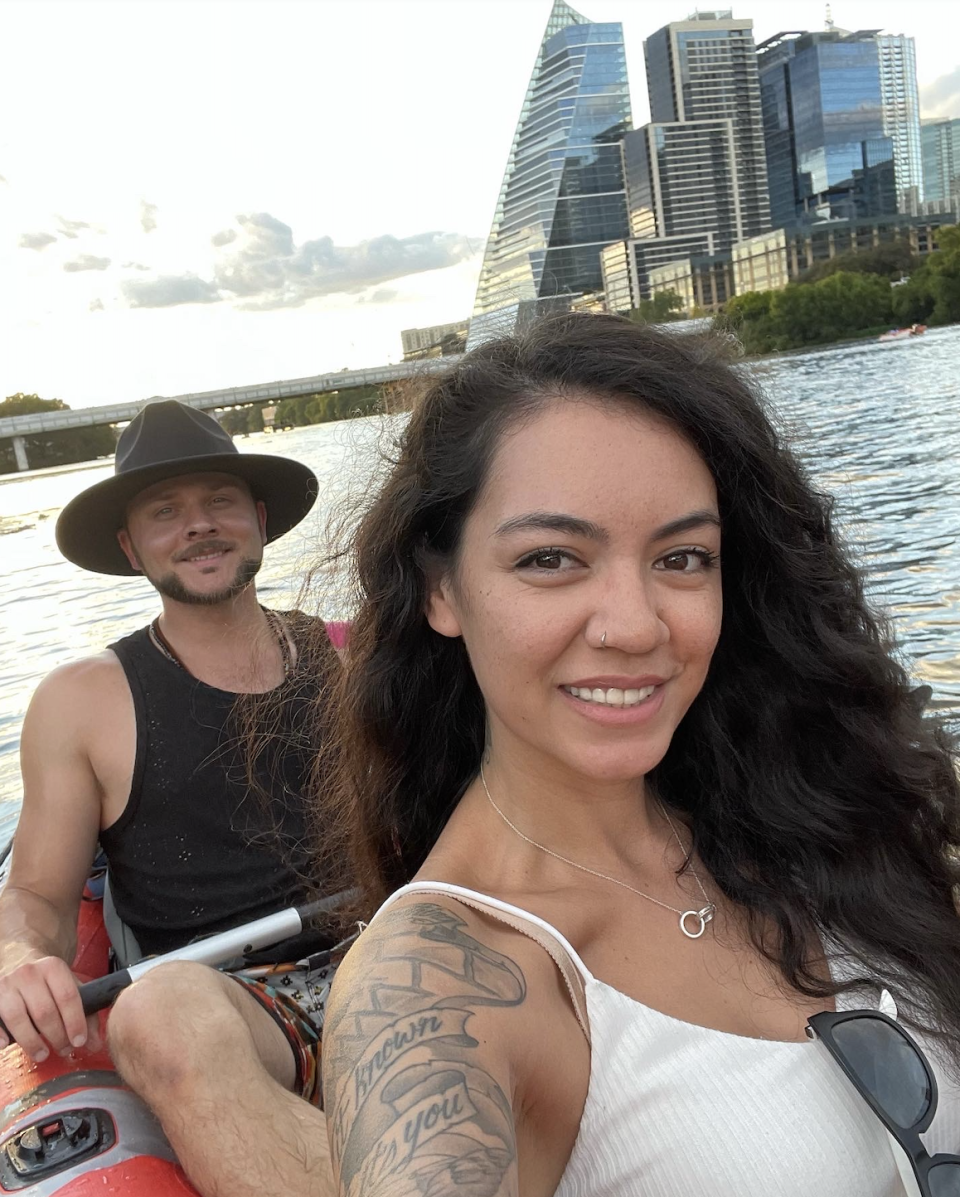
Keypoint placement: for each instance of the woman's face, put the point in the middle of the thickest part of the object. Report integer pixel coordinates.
(594, 520)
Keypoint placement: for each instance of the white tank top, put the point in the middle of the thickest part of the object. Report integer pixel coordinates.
(679, 1110)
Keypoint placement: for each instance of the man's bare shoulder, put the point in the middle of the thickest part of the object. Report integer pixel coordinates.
(98, 678)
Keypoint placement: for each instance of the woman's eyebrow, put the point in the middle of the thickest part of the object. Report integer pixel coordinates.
(571, 525)
(686, 523)
(554, 521)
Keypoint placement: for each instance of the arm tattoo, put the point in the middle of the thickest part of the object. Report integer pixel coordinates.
(414, 1113)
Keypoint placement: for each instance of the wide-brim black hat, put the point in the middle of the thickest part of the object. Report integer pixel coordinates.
(166, 440)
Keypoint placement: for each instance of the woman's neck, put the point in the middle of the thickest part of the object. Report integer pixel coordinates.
(588, 819)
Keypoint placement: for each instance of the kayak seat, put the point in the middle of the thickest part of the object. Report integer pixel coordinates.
(126, 950)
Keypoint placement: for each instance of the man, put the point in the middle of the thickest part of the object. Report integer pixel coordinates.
(139, 747)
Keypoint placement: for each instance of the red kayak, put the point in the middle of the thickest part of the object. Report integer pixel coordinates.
(69, 1125)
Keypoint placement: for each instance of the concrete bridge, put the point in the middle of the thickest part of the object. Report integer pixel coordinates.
(17, 427)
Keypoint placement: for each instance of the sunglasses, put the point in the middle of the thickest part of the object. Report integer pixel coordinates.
(893, 1076)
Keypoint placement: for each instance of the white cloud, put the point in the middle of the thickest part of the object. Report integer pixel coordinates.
(941, 98)
(266, 269)
(36, 240)
(86, 262)
(168, 291)
(148, 216)
(72, 229)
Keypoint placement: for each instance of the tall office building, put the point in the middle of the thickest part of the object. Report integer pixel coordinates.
(705, 69)
(901, 114)
(828, 156)
(562, 197)
(940, 149)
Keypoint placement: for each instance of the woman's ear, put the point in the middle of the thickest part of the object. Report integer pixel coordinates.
(442, 608)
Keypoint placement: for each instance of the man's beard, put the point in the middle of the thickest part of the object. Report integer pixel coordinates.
(171, 587)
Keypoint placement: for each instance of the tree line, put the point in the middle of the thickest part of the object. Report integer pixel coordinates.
(305, 409)
(854, 294)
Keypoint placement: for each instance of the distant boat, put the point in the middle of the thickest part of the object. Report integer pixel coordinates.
(901, 334)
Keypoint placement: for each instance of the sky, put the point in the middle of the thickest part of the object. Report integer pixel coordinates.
(197, 194)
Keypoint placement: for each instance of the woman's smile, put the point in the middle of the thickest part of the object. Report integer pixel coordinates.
(616, 707)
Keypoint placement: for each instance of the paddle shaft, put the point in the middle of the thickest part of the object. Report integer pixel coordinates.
(215, 949)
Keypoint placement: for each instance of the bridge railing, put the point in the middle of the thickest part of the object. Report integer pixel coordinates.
(120, 413)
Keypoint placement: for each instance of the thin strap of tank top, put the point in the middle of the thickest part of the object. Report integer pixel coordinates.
(557, 947)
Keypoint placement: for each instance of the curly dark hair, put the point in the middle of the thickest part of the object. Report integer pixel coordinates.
(820, 797)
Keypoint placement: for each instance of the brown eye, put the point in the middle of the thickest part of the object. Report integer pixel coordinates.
(688, 561)
(547, 561)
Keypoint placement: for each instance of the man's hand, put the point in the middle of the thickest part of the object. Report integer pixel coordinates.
(41, 1009)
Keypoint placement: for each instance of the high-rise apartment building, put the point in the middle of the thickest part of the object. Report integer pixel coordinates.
(901, 114)
(682, 179)
(940, 151)
(434, 340)
(705, 69)
(696, 176)
(828, 156)
(562, 197)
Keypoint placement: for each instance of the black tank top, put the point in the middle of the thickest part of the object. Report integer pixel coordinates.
(195, 850)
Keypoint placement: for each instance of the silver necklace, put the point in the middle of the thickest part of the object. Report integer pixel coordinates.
(277, 626)
(698, 918)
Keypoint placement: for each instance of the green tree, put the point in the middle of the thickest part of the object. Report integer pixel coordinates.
(234, 421)
(255, 418)
(286, 415)
(932, 294)
(891, 260)
(748, 317)
(809, 313)
(948, 238)
(662, 308)
(28, 405)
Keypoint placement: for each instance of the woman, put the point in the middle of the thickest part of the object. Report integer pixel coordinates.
(656, 813)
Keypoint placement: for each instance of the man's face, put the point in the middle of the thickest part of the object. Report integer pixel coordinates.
(197, 538)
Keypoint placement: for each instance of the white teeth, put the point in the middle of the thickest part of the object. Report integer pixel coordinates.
(612, 697)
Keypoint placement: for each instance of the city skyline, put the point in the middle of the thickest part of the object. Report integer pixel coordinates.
(178, 213)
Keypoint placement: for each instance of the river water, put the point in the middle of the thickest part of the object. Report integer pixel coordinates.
(878, 426)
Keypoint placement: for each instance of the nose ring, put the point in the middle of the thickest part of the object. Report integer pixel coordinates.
(603, 640)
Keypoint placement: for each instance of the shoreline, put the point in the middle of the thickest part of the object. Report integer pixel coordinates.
(869, 335)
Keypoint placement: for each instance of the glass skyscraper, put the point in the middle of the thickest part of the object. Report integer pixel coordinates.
(562, 197)
(828, 155)
(940, 140)
(901, 114)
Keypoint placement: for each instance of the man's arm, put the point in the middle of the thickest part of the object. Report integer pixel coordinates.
(53, 850)
(417, 1077)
